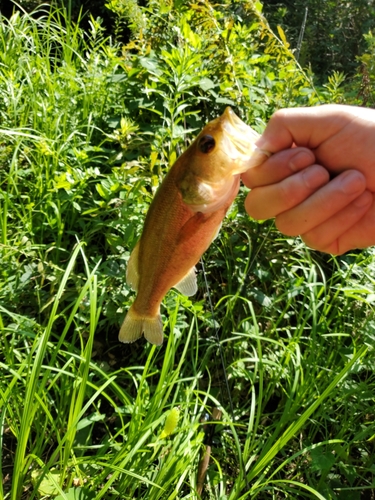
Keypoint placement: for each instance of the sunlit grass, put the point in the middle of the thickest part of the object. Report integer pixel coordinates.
(82, 416)
(52, 399)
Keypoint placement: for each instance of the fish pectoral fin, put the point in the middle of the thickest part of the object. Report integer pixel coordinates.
(188, 285)
(217, 231)
(132, 274)
(134, 325)
(191, 226)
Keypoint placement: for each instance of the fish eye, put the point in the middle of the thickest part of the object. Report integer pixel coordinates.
(206, 143)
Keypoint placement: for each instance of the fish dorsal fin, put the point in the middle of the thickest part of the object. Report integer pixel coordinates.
(188, 285)
(132, 274)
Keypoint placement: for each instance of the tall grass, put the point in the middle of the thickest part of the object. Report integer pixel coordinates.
(87, 130)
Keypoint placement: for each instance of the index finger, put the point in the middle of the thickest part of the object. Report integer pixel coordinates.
(308, 127)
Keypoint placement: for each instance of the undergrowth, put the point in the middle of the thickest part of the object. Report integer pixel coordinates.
(88, 129)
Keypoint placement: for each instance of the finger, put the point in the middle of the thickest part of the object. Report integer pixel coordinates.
(278, 167)
(269, 201)
(307, 127)
(323, 204)
(327, 237)
(360, 235)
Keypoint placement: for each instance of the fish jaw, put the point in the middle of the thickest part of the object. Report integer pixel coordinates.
(238, 143)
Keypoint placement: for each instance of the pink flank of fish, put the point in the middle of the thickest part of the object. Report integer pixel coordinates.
(183, 219)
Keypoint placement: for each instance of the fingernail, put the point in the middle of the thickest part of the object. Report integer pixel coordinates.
(263, 143)
(352, 182)
(363, 200)
(301, 160)
(315, 176)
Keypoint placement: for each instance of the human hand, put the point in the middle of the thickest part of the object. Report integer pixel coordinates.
(331, 215)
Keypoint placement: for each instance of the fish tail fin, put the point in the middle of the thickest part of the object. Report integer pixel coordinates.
(134, 325)
(153, 330)
(131, 328)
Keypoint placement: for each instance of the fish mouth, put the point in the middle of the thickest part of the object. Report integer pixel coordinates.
(240, 141)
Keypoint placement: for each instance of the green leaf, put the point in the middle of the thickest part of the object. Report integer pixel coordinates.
(282, 36)
(258, 7)
(151, 65)
(321, 460)
(101, 191)
(206, 84)
(224, 100)
(77, 494)
(95, 417)
(61, 182)
(118, 78)
(47, 485)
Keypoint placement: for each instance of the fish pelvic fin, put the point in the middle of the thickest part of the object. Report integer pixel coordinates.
(134, 325)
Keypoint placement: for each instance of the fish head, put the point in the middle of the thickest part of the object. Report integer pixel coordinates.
(209, 169)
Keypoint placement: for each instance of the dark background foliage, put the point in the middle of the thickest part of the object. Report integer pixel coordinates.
(334, 30)
(332, 35)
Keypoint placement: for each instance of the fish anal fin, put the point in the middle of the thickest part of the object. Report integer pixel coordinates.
(132, 274)
(188, 285)
(134, 325)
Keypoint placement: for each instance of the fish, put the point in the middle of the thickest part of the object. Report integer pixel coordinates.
(184, 218)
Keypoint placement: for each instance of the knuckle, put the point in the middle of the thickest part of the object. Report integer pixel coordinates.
(280, 115)
(286, 225)
(253, 208)
(288, 196)
(313, 240)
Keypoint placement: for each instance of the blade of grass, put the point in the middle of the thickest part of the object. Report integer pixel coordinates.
(39, 348)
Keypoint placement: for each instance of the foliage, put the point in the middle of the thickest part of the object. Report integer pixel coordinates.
(366, 75)
(128, 13)
(88, 129)
(333, 34)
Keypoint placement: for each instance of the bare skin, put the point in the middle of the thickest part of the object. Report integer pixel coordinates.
(320, 181)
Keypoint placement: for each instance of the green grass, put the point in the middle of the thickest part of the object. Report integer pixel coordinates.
(88, 129)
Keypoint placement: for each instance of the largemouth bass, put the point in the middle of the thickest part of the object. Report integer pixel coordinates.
(183, 219)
